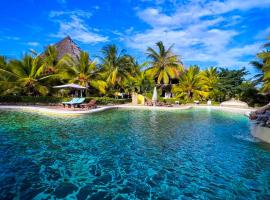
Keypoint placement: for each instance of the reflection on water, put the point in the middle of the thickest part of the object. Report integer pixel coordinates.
(125, 154)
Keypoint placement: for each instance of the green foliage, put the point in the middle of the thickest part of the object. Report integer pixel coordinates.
(24, 77)
(229, 85)
(165, 66)
(31, 99)
(83, 72)
(210, 79)
(250, 94)
(107, 100)
(191, 85)
(141, 83)
(116, 67)
(263, 64)
(34, 75)
(46, 100)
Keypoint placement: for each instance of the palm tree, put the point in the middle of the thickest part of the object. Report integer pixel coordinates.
(265, 57)
(25, 76)
(50, 61)
(3, 65)
(116, 67)
(210, 80)
(143, 83)
(3, 78)
(165, 66)
(83, 72)
(264, 66)
(191, 86)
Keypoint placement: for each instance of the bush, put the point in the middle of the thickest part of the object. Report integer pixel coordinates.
(31, 100)
(108, 100)
(48, 100)
(173, 100)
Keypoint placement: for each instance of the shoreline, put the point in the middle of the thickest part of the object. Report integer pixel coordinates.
(258, 132)
(60, 111)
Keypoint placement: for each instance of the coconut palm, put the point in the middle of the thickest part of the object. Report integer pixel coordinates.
(265, 57)
(51, 62)
(83, 72)
(116, 66)
(143, 83)
(3, 78)
(3, 65)
(25, 76)
(263, 64)
(191, 86)
(165, 66)
(210, 79)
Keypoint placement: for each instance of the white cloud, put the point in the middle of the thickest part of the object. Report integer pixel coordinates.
(199, 30)
(263, 34)
(12, 38)
(96, 7)
(73, 23)
(78, 13)
(196, 9)
(34, 44)
(62, 1)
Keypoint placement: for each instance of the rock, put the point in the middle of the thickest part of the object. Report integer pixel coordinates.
(252, 116)
(262, 116)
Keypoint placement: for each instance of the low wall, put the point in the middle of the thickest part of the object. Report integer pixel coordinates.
(262, 133)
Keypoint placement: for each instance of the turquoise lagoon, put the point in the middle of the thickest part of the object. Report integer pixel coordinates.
(132, 154)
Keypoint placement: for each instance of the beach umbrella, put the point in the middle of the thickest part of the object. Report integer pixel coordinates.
(155, 95)
(71, 86)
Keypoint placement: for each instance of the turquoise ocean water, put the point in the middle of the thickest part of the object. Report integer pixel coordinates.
(132, 154)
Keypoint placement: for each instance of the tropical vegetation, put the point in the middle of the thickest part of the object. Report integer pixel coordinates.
(263, 65)
(116, 73)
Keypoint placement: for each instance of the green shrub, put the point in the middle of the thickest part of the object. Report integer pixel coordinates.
(173, 100)
(108, 100)
(47, 100)
(31, 99)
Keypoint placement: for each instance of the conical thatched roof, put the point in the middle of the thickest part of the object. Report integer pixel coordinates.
(67, 46)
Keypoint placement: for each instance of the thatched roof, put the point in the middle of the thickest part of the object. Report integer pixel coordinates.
(67, 46)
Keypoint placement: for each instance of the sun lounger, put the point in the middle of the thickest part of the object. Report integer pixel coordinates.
(70, 102)
(74, 102)
(78, 102)
(91, 104)
(149, 103)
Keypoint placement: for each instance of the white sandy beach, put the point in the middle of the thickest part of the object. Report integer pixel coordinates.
(58, 110)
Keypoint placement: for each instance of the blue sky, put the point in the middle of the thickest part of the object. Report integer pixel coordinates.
(208, 33)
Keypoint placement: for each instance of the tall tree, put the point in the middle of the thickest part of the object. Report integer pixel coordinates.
(229, 83)
(25, 76)
(116, 66)
(263, 64)
(3, 77)
(210, 80)
(191, 85)
(165, 66)
(83, 72)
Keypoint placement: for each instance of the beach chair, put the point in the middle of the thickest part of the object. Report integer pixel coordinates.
(91, 104)
(78, 102)
(148, 103)
(67, 103)
(74, 102)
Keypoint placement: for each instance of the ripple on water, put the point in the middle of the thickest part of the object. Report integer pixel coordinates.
(128, 154)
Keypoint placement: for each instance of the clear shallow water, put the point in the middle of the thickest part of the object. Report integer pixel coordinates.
(125, 154)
